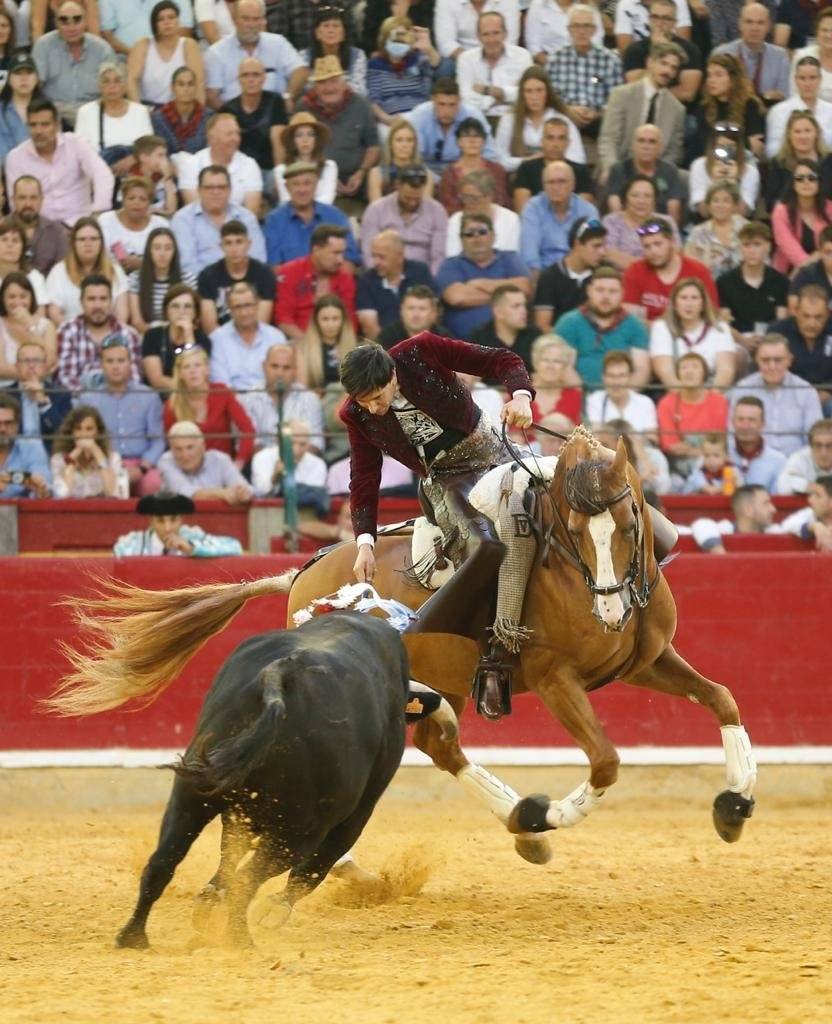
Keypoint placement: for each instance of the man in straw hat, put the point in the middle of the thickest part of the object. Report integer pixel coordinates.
(168, 535)
(353, 143)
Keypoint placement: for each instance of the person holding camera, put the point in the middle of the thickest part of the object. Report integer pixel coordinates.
(725, 160)
(24, 464)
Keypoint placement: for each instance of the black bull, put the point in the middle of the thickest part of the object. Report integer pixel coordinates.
(298, 737)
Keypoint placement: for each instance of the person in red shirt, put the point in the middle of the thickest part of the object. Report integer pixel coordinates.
(300, 282)
(648, 282)
(687, 414)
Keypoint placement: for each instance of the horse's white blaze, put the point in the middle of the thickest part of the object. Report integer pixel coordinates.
(601, 529)
(740, 763)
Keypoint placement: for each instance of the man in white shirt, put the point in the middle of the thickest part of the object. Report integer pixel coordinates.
(805, 465)
(455, 23)
(807, 80)
(489, 74)
(618, 402)
(239, 348)
(284, 399)
(223, 150)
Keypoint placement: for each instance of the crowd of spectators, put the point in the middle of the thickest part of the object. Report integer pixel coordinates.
(208, 204)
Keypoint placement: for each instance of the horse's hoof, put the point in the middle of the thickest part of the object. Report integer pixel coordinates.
(730, 813)
(132, 938)
(534, 849)
(205, 902)
(529, 815)
(348, 871)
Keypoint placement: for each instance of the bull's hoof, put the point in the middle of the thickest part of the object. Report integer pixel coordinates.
(730, 813)
(529, 815)
(347, 870)
(206, 902)
(268, 913)
(534, 849)
(132, 938)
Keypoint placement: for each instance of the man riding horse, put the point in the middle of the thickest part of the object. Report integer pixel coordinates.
(409, 404)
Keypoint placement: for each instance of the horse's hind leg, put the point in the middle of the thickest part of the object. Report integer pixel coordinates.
(185, 817)
(671, 674)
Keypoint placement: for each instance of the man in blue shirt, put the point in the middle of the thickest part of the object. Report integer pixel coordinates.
(380, 290)
(239, 348)
(547, 218)
(467, 282)
(288, 229)
(435, 122)
(24, 464)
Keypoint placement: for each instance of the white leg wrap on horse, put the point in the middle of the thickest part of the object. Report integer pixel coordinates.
(487, 788)
(740, 763)
(575, 807)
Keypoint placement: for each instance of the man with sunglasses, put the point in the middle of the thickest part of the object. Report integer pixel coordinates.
(67, 61)
(562, 286)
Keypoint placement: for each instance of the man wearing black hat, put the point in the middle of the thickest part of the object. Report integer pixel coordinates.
(168, 535)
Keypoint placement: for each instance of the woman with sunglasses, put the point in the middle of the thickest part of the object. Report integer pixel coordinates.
(799, 217)
(213, 407)
(623, 240)
(22, 85)
(160, 270)
(87, 254)
(728, 97)
(178, 331)
(470, 137)
(690, 324)
(802, 140)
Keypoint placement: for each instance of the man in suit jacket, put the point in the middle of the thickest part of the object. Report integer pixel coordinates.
(647, 101)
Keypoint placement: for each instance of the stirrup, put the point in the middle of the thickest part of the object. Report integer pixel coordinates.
(492, 688)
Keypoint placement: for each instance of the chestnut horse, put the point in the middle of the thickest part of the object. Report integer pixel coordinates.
(597, 603)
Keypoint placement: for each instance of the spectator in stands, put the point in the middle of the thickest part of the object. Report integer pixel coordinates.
(327, 339)
(716, 242)
(400, 149)
(182, 122)
(303, 280)
(260, 115)
(798, 219)
(723, 17)
(584, 73)
(618, 401)
(791, 404)
(419, 220)
(330, 37)
(400, 71)
(690, 412)
(519, 134)
(725, 160)
(13, 259)
(669, 190)
(662, 23)
(548, 218)
(213, 19)
(650, 463)
(749, 450)
(601, 325)
(753, 512)
(419, 311)
(353, 133)
(303, 141)
(153, 59)
(436, 122)
(815, 522)
(83, 463)
(767, 66)
(168, 535)
(728, 97)
(554, 378)
(46, 240)
(753, 294)
(239, 347)
(380, 289)
(178, 331)
(123, 25)
(470, 137)
(809, 335)
(528, 181)
(159, 271)
(82, 339)
(204, 475)
(562, 286)
(804, 466)
(546, 28)
(223, 150)
(284, 398)
(19, 88)
(111, 123)
(197, 225)
(794, 25)
(713, 472)
(489, 74)
(149, 160)
(648, 100)
(803, 141)
(807, 76)
(817, 272)
(43, 403)
(295, 19)
(467, 282)
(639, 196)
(74, 180)
(21, 321)
(285, 71)
(131, 414)
(214, 408)
(87, 255)
(456, 24)
(24, 464)
(649, 281)
(632, 22)
(508, 326)
(555, 421)
(68, 59)
(127, 230)
(691, 324)
(268, 472)
(236, 265)
(477, 195)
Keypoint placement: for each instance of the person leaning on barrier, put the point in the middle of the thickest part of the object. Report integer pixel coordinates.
(189, 469)
(167, 534)
(804, 466)
(24, 464)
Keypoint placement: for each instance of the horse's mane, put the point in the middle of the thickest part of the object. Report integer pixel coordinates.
(583, 487)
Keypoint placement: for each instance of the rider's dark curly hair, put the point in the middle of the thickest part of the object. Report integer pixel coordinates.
(365, 369)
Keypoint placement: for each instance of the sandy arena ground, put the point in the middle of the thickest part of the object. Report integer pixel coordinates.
(643, 916)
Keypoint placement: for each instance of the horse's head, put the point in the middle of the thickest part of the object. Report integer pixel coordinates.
(604, 529)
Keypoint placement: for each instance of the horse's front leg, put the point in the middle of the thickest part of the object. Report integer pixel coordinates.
(564, 695)
(671, 674)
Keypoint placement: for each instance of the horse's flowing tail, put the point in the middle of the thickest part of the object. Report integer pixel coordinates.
(140, 640)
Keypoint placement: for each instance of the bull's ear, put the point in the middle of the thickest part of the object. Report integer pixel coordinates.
(619, 464)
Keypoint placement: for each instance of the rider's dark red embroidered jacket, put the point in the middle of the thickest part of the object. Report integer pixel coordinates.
(425, 366)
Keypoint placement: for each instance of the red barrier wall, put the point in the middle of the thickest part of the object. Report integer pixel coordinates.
(755, 622)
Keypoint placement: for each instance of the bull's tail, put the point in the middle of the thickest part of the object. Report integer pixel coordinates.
(225, 768)
(138, 641)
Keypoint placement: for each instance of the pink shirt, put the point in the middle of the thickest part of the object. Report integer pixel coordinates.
(75, 182)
